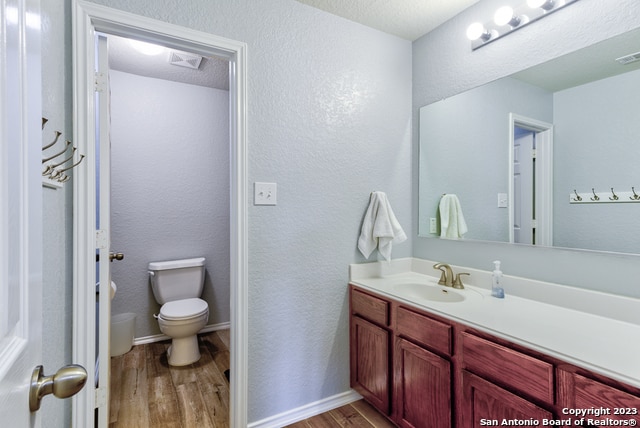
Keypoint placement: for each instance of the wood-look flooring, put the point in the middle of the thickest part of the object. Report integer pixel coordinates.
(357, 414)
(146, 392)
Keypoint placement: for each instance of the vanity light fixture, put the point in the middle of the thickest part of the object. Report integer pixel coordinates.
(506, 20)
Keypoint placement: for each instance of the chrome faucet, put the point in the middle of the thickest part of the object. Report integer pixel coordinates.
(447, 277)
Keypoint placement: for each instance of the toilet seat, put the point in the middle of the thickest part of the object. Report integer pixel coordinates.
(181, 310)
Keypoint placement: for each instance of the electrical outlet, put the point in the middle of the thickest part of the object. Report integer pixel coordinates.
(265, 193)
(433, 225)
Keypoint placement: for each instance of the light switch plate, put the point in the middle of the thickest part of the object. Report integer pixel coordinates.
(503, 200)
(264, 193)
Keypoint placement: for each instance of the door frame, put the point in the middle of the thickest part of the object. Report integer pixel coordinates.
(89, 18)
(543, 176)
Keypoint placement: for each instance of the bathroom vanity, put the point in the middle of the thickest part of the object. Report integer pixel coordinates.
(461, 358)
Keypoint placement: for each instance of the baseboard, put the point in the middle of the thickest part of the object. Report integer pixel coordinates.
(307, 411)
(160, 337)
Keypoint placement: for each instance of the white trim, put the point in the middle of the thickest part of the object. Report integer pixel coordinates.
(307, 411)
(160, 337)
(87, 19)
(544, 176)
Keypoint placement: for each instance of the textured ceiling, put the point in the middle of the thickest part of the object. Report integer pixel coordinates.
(409, 19)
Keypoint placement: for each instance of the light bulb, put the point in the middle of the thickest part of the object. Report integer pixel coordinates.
(504, 16)
(146, 48)
(476, 31)
(544, 4)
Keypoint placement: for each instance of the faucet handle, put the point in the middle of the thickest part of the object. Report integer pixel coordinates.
(458, 282)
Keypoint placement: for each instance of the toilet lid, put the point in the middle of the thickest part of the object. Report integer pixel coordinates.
(185, 308)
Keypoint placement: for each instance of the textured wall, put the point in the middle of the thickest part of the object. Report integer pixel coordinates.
(169, 189)
(444, 65)
(57, 286)
(328, 120)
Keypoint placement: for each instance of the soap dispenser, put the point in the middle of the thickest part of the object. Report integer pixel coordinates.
(496, 280)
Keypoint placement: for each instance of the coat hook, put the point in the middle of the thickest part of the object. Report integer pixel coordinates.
(614, 197)
(44, 122)
(55, 140)
(635, 196)
(57, 154)
(60, 173)
(578, 198)
(49, 169)
(595, 197)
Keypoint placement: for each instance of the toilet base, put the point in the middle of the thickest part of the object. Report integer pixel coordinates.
(183, 351)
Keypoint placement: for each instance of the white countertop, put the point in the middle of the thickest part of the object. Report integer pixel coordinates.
(594, 330)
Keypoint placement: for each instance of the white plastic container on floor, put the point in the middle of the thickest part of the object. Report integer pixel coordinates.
(122, 330)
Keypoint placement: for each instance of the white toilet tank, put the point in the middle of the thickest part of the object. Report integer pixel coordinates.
(177, 279)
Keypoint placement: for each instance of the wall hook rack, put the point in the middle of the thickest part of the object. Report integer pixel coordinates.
(52, 175)
(594, 197)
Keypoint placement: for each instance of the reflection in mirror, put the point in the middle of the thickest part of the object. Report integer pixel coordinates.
(468, 148)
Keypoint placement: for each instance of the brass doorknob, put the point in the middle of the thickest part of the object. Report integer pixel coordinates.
(67, 381)
(115, 256)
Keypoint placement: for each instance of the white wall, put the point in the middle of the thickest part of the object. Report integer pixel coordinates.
(169, 189)
(444, 65)
(329, 120)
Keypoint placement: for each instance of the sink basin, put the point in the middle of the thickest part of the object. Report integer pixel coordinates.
(434, 293)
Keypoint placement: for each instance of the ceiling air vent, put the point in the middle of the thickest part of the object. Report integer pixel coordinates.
(185, 60)
(628, 59)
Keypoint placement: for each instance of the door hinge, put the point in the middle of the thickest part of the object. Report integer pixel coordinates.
(102, 240)
(534, 223)
(100, 82)
(534, 153)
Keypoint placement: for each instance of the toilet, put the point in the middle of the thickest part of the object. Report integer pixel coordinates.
(177, 285)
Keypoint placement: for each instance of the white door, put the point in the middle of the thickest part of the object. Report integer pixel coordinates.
(20, 209)
(523, 188)
(103, 228)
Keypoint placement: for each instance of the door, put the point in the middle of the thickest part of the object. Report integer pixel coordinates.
(103, 233)
(20, 210)
(523, 187)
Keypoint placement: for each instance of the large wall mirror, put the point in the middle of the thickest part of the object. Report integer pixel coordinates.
(548, 156)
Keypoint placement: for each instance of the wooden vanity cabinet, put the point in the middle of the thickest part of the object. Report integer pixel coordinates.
(370, 348)
(422, 383)
(423, 371)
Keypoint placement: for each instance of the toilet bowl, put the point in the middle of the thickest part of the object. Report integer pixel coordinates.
(177, 286)
(182, 320)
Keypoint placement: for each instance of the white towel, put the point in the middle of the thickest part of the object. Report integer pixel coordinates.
(380, 228)
(452, 224)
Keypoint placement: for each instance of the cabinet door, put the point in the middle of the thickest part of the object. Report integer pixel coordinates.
(422, 387)
(485, 404)
(370, 371)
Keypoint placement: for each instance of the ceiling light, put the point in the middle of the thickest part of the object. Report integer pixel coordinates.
(544, 4)
(146, 48)
(504, 16)
(477, 31)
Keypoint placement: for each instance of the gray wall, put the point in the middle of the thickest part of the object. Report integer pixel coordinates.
(329, 120)
(464, 138)
(169, 189)
(57, 209)
(598, 136)
(444, 65)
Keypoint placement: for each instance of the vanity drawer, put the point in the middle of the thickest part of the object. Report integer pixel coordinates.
(505, 366)
(424, 330)
(370, 307)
